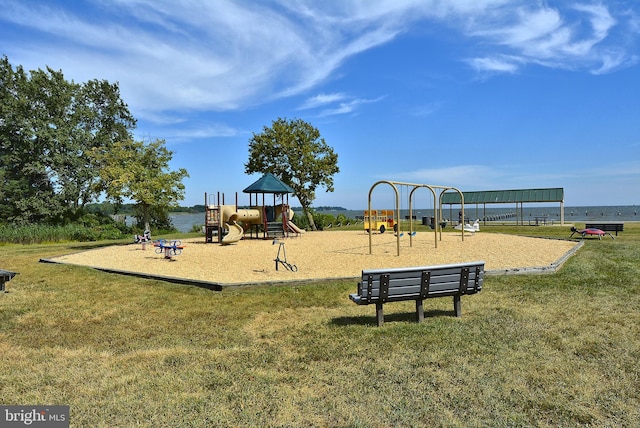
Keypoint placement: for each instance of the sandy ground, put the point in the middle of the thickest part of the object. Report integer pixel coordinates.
(319, 255)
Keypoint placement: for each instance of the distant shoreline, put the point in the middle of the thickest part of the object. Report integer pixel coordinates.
(184, 221)
(529, 206)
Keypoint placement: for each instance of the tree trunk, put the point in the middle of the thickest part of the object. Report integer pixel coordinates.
(145, 217)
(309, 215)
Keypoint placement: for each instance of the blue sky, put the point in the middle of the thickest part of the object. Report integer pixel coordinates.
(475, 94)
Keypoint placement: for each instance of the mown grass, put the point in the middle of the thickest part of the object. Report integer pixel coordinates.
(530, 350)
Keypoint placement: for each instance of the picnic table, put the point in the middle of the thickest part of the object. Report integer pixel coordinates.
(540, 219)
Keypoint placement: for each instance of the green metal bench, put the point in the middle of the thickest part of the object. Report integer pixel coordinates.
(380, 286)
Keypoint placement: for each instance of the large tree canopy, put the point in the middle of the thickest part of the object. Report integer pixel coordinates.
(140, 172)
(294, 151)
(48, 125)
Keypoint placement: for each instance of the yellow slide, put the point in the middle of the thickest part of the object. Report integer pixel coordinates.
(294, 228)
(236, 232)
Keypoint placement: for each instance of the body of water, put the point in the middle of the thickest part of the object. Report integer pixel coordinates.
(185, 222)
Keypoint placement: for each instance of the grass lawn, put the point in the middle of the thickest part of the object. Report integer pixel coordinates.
(529, 350)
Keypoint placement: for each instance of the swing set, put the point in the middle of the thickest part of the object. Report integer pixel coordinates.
(437, 204)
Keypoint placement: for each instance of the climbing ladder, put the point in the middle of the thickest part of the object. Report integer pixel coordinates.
(212, 221)
(275, 229)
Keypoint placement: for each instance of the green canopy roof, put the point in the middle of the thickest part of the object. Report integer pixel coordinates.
(505, 196)
(269, 183)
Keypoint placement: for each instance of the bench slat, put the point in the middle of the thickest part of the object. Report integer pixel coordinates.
(444, 289)
(454, 267)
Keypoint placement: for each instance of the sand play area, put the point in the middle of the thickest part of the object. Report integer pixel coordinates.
(322, 255)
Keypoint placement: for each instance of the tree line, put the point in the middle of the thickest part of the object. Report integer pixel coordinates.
(64, 145)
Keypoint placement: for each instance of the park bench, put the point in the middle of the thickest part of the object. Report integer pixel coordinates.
(5, 276)
(380, 286)
(606, 226)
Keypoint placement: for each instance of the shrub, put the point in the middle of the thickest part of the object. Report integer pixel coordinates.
(323, 220)
(300, 220)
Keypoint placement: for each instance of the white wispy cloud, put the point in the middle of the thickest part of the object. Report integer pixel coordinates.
(345, 107)
(574, 38)
(502, 64)
(322, 100)
(335, 103)
(226, 55)
(191, 133)
(206, 131)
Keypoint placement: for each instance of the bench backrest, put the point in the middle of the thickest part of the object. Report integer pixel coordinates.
(421, 282)
(606, 227)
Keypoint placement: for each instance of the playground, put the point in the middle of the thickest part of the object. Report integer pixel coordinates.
(321, 256)
(261, 245)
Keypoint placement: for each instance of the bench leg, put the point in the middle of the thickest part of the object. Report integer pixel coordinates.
(379, 314)
(457, 305)
(419, 310)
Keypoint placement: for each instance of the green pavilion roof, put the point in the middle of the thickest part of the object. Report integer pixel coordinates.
(269, 183)
(505, 196)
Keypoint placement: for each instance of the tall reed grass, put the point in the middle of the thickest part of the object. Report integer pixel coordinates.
(38, 234)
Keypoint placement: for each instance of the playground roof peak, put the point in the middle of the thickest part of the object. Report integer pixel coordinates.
(269, 183)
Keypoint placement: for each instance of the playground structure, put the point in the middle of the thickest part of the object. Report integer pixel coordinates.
(589, 231)
(471, 228)
(143, 239)
(169, 248)
(437, 204)
(230, 222)
(283, 262)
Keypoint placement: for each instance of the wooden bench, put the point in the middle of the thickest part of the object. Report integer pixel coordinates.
(5, 276)
(380, 286)
(606, 226)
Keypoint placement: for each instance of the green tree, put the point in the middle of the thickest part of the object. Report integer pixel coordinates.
(24, 149)
(140, 172)
(294, 151)
(99, 119)
(47, 127)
